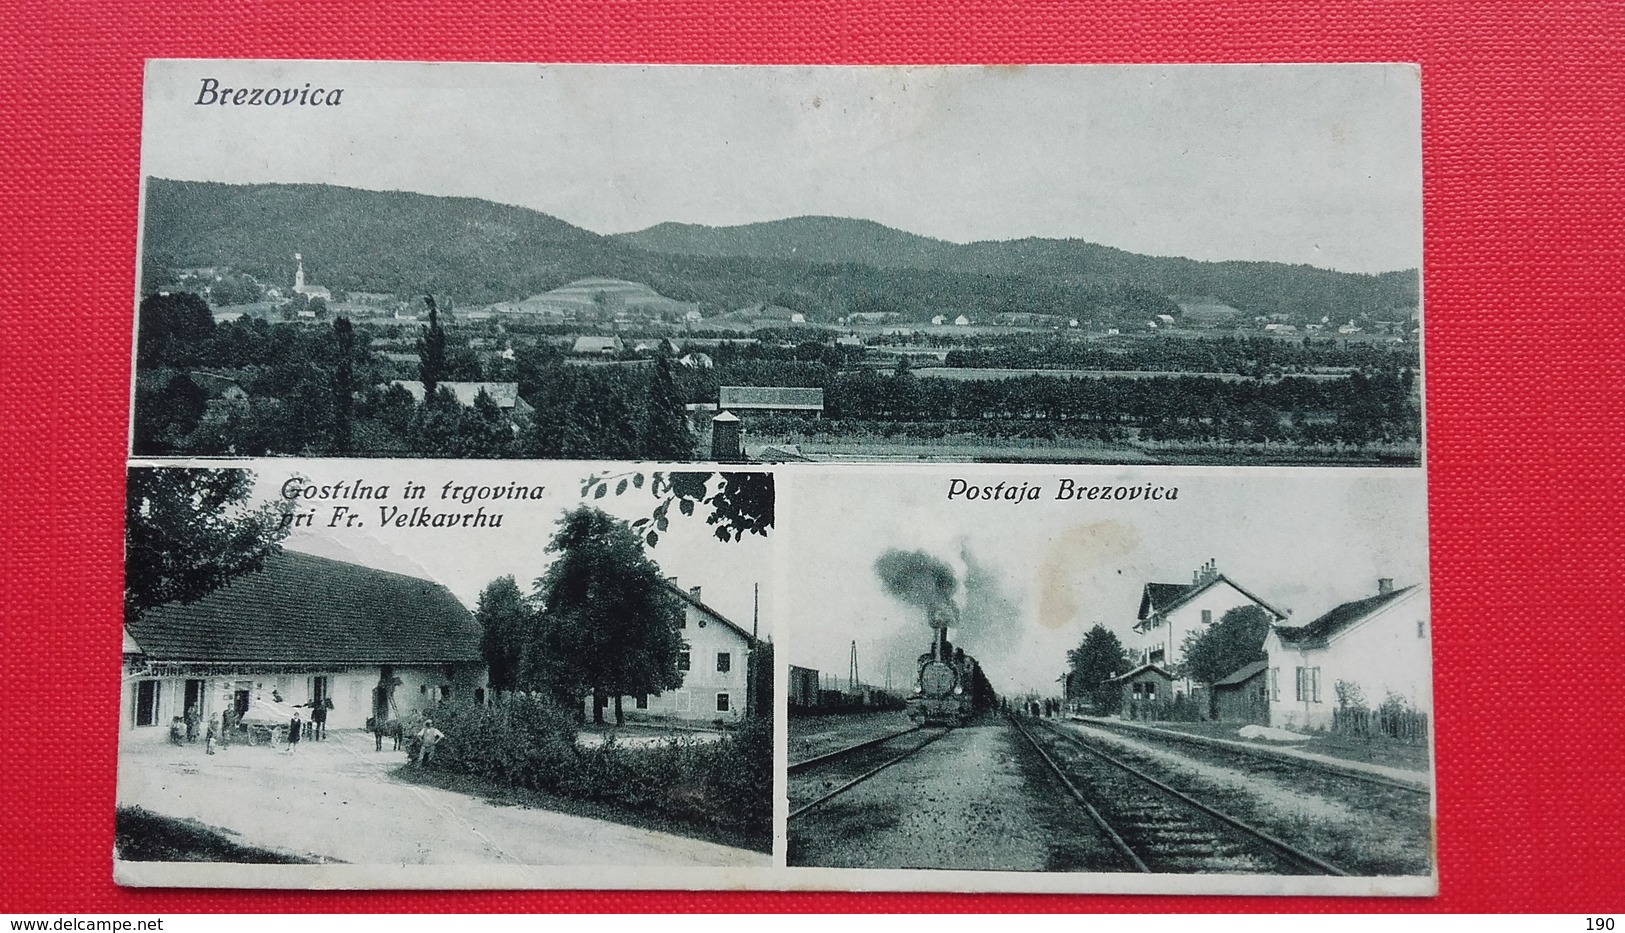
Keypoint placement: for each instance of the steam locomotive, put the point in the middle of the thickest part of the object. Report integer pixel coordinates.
(950, 688)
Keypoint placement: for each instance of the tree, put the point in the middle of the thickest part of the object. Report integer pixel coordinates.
(343, 384)
(189, 531)
(1227, 645)
(170, 327)
(1099, 658)
(739, 503)
(431, 351)
(164, 417)
(665, 427)
(609, 622)
(507, 626)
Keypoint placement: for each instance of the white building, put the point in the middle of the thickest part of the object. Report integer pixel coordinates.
(302, 630)
(309, 291)
(715, 669)
(1170, 612)
(1377, 647)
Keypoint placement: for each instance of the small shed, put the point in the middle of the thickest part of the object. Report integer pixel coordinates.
(1243, 696)
(1143, 687)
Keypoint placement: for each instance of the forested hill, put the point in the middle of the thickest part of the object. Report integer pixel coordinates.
(476, 252)
(803, 239)
(842, 240)
(385, 241)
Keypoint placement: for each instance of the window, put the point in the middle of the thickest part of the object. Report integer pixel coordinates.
(682, 660)
(724, 662)
(146, 702)
(1299, 687)
(1275, 683)
(1150, 692)
(1309, 684)
(643, 701)
(1207, 616)
(722, 702)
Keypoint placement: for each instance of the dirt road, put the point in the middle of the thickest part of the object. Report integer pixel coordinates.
(336, 800)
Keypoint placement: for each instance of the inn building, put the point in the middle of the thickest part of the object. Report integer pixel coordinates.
(302, 631)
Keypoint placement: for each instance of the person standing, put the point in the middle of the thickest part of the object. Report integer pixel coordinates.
(318, 719)
(295, 727)
(209, 737)
(192, 719)
(429, 737)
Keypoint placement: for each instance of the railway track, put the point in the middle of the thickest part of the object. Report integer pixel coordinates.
(1157, 828)
(857, 760)
(1265, 760)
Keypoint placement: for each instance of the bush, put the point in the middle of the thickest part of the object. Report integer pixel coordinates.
(527, 742)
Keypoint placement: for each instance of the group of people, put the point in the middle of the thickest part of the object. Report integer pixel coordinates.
(315, 729)
(184, 730)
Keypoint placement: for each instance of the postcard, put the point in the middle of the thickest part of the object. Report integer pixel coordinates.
(789, 478)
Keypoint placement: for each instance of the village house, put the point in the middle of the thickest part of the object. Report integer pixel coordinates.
(504, 394)
(715, 666)
(601, 346)
(771, 400)
(1170, 612)
(1362, 652)
(1143, 690)
(300, 632)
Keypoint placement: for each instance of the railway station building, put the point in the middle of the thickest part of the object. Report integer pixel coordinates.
(1370, 656)
(302, 630)
(1169, 612)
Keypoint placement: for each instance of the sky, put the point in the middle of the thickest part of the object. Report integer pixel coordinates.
(1303, 539)
(1315, 164)
(466, 560)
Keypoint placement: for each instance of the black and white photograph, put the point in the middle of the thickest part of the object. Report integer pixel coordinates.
(1067, 264)
(1109, 679)
(443, 674)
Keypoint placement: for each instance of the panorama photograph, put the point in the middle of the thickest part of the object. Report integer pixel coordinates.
(1196, 690)
(1118, 265)
(387, 674)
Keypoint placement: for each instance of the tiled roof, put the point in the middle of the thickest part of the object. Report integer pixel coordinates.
(771, 397)
(1243, 675)
(308, 609)
(1138, 671)
(1340, 618)
(1162, 598)
(1159, 596)
(505, 394)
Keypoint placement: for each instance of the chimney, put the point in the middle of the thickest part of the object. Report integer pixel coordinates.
(694, 591)
(1385, 585)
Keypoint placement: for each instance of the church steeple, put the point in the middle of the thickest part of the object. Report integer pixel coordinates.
(299, 274)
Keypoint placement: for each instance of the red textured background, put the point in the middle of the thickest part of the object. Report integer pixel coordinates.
(1524, 122)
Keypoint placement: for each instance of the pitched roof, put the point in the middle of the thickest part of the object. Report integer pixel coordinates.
(1163, 598)
(1340, 617)
(1138, 671)
(695, 601)
(770, 397)
(304, 608)
(1242, 675)
(597, 345)
(505, 394)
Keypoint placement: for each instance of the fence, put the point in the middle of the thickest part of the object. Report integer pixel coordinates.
(1407, 726)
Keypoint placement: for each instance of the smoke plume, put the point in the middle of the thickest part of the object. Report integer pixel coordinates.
(919, 579)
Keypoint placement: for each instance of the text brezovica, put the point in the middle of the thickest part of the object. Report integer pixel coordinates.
(211, 93)
(1065, 490)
